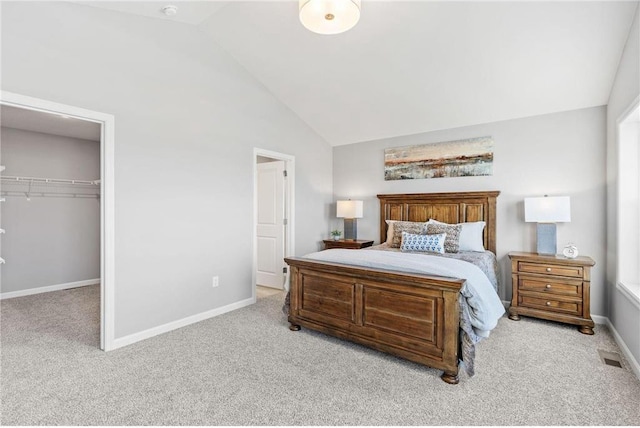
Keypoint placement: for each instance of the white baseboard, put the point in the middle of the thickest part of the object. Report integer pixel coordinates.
(174, 325)
(635, 366)
(48, 288)
(599, 319)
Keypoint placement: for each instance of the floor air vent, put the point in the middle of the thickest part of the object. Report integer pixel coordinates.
(610, 358)
(612, 363)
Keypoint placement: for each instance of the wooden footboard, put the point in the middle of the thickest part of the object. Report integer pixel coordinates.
(412, 316)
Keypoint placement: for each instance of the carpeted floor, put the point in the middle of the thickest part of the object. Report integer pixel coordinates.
(247, 368)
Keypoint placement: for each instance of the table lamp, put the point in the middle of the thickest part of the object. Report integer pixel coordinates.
(350, 211)
(547, 211)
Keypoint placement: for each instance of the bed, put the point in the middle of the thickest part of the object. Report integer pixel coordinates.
(413, 315)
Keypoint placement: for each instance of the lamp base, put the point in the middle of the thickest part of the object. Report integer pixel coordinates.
(547, 238)
(350, 228)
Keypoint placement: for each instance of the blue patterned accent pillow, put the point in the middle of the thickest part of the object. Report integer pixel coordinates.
(428, 243)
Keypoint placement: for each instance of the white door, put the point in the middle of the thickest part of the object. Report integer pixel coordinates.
(270, 227)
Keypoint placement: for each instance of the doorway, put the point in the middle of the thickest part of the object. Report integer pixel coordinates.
(106, 185)
(273, 218)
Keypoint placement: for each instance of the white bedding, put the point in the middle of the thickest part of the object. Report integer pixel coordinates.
(485, 307)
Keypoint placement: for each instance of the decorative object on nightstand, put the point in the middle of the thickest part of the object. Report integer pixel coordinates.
(350, 211)
(552, 287)
(335, 234)
(352, 244)
(570, 251)
(547, 211)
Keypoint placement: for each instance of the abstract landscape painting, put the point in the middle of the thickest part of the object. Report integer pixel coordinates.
(461, 158)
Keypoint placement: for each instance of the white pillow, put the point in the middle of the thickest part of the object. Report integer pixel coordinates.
(428, 243)
(470, 235)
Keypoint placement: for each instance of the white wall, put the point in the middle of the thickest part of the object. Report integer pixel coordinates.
(49, 240)
(187, 118)
(559, 154)
(624, 315)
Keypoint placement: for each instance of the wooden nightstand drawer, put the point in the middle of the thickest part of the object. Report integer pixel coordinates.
(549, 269)
(550, 304)
(550, 286)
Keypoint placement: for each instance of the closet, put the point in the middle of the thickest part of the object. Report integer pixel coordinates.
(50, 209)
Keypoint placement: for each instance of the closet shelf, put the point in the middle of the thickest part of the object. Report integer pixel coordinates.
(40, 181)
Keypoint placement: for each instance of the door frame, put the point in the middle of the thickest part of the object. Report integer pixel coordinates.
(107, 212)
(289, 209)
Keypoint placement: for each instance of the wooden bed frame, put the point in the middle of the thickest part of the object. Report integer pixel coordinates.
(412, 316)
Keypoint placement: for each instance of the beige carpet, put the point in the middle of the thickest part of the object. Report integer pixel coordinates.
(262, 292)
(247, 368)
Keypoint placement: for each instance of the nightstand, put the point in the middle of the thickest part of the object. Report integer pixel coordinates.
(347, 243)
(551, 287)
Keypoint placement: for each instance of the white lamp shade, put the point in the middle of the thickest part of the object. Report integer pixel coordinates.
(547, 209)
(329, 16)
(349, 209)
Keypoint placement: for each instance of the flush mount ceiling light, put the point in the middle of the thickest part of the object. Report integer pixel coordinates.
(329, 16)
(169, 10)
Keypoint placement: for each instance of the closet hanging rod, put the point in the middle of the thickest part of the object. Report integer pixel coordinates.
(39, 180)
(49, 195)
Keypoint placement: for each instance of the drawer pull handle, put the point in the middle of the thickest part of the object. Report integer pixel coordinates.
(548, 303)
(548, 269)
(548, 286)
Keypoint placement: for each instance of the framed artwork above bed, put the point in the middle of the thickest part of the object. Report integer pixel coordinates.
(462, 158)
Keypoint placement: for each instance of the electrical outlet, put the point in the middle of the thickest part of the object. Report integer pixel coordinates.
(215, 282)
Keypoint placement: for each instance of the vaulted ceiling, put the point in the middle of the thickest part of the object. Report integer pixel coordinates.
(417, 66)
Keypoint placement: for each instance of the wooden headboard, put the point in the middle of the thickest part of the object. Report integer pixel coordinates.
(459, 207)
